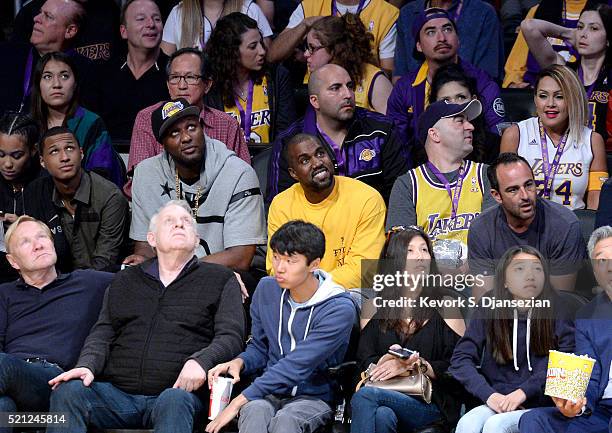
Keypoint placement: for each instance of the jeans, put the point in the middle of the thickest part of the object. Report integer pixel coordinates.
(103, 405)
(376, 410)
(483, 419)
(289, 415)
(550, 420)
(23, 385)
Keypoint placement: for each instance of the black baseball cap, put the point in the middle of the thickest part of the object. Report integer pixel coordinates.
(442, 110)
(427, 15)
(168, 113)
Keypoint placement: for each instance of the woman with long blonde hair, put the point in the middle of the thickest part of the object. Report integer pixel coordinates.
(568, 159)
(191, 22)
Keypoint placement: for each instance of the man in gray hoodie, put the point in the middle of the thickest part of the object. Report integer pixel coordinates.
(222, 190)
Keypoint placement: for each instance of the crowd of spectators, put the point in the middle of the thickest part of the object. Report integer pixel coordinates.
(204, 188)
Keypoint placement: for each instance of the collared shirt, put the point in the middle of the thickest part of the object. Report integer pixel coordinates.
(97, 230)
(121, 96)
(217, 125)
(153, 270)
(53, 322)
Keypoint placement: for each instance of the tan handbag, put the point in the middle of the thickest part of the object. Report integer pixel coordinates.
(414, 382)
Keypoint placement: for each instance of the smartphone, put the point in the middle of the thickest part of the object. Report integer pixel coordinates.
(402, 353)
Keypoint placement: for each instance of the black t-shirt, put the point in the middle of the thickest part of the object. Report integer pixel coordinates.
(98, 39)
(120, 96)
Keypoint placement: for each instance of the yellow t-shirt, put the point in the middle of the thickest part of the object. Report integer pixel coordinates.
(260, 114)
(378, 17)
(364, 89)
(433, 205)
(352, 218)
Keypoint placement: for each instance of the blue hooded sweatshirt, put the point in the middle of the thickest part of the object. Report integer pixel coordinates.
(295, 345)
(526, 371)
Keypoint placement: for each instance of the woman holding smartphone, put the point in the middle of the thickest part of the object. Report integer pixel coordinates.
(423, 330)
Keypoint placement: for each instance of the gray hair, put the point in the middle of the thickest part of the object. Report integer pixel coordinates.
(180, 203)
(600, 234)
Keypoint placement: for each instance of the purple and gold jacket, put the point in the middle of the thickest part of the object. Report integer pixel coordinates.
(372, 152)
(407, 100)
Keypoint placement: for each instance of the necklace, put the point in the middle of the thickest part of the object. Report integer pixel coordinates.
(179, 195)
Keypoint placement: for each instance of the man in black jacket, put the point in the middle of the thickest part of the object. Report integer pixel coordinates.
(362, 144)
(163, 325)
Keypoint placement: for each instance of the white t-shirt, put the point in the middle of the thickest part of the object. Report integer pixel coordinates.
(172, 28)
(572, 178)
(386, 49)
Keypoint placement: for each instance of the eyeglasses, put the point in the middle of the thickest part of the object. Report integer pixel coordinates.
(311, 50)
(190, 79)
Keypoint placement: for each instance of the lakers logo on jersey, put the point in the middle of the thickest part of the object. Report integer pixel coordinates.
(367, 155)
(434, 206)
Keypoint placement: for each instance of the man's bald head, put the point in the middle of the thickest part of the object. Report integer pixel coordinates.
(322, 76)
(57, 25)
(332, 93)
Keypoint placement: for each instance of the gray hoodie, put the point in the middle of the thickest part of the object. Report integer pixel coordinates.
(230, 211)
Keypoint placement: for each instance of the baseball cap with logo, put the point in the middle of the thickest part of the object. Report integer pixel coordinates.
(168, 113)
(441, 110)
(427, 15)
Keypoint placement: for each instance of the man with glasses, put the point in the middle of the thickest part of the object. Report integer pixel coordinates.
(361, 144)
(187, 78)
(130, 83)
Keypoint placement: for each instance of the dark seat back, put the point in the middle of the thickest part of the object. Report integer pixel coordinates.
(518, 104)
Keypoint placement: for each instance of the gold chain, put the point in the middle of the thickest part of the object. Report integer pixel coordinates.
(179, 195)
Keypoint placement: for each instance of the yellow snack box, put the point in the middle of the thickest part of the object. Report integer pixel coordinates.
(568, 375)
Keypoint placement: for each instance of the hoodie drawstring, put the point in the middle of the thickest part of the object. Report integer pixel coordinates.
(514, 339)
(280, 321)
(308, 323)
(527, 339)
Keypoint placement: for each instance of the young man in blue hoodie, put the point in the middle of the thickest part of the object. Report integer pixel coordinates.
(301, 326)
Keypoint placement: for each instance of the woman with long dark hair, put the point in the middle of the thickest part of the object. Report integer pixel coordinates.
(412, 326)
(345, 41)
(568, 158)
(258, 95)
(502, 358)
(591, 39)
(55, 96)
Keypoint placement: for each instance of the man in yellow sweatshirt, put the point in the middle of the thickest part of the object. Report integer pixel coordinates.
(350, 213)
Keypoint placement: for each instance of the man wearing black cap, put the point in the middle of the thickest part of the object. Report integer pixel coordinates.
(444, 195)
(438, 42)
(222, 190)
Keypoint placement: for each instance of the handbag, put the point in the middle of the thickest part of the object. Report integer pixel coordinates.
(414, 382)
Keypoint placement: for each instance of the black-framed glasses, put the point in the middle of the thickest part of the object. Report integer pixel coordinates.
(190, 79)
(311, 49)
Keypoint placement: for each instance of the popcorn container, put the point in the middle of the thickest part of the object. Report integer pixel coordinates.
(568, 375)
(220, 396)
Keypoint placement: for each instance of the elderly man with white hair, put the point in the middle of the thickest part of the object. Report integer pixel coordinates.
(593, 338)
(163, 325)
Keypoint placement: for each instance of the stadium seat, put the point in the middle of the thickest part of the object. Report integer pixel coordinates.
(587, 222)
(518, 103)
